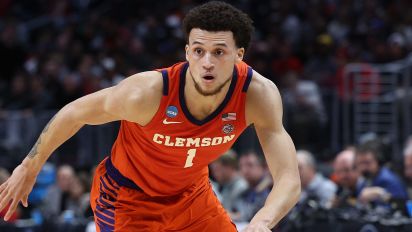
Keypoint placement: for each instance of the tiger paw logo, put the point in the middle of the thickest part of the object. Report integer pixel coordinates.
(228, 128)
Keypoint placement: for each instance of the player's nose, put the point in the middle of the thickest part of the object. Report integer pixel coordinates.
(207, 63)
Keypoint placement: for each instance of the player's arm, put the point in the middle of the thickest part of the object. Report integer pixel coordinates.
(264, 110)
(126, 101)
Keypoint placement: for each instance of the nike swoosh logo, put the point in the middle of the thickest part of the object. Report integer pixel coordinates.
(168, 122)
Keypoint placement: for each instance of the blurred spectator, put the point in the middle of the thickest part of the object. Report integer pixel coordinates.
(347, 178)
(253, 169)
(229, 183)
(396, 46)
(285, 62)
(4, 175)
(12, 53)
(79, 196)
(40, 97)
(58, 199)
(314, 185)
(380, 182)
(45, 179)
(16, 97)
(322, 66)
(69, 200)
(70, 90)
(407, 155)
(305, 115)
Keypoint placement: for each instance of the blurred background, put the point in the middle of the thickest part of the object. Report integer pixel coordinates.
(343, 67)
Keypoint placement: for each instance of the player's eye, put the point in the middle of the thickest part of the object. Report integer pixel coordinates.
(219, 52)
(198, 51)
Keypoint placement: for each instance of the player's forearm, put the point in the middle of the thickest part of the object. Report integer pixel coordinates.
(281, 199)
(59, 129)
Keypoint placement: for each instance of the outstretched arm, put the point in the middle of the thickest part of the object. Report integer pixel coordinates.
(264, 110)
(120, 102)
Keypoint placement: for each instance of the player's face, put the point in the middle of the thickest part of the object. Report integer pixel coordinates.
(211, 57)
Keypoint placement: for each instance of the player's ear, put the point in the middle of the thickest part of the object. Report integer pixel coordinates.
(187, 52)
(240, 54)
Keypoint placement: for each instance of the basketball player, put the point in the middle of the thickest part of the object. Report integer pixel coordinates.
(174, 122)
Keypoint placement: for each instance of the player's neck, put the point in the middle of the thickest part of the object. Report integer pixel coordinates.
(199, 105)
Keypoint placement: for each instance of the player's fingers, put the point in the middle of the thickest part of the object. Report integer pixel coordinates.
(4, 199)
(3, 186)
(3, 190)
(24, 201)
(11, 210)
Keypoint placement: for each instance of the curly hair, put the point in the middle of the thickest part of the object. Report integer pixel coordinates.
(220, 16)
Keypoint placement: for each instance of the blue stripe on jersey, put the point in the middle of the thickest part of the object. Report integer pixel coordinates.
(105, 211)
(103, 202)
(165, 82)
(106, 187)
(248, 79)
(104, 227)
(110, 182)
(117, 177)
(103, 218)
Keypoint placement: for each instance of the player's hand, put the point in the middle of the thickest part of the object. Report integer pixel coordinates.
(256, 227)
(16, 189)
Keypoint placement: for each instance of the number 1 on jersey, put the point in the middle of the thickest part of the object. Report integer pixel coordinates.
(189, 160)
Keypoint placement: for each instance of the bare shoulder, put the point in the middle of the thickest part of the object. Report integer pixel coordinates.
(145, 82)
(263, 102)
(138, 96)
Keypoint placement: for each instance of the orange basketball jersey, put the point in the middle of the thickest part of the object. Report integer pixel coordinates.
(173, 150)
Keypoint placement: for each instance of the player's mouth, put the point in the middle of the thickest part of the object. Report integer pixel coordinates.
(208, 78)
